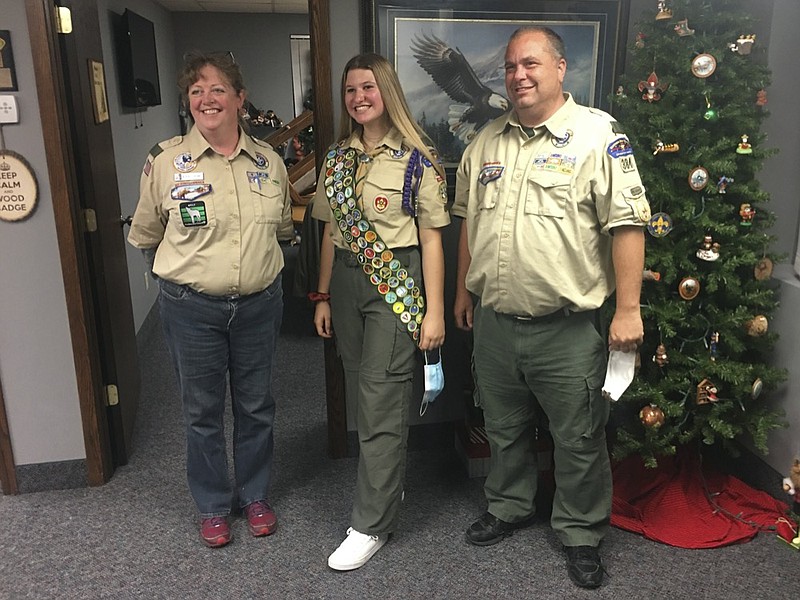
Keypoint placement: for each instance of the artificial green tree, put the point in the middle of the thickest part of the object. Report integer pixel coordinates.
(695, 84)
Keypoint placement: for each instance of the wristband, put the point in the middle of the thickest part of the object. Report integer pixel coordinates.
(318, 297)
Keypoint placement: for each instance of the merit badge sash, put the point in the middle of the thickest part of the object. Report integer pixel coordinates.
(385, 272)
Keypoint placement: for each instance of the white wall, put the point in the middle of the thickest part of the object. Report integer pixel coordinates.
(36, 361)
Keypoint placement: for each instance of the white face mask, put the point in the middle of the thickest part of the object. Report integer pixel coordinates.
(434, 379)
(619, 374)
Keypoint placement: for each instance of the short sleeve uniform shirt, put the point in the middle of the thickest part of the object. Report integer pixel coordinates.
(540, 210)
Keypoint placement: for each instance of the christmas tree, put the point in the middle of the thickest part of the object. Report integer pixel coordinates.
(692, 103)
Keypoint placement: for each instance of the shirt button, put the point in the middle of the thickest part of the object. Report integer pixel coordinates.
(235, 242)
(234, 216)
(517, 175)
(503, 265)
(505, 236)
(235, 267)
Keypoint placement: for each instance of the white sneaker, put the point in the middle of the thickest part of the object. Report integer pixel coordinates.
(356, 549)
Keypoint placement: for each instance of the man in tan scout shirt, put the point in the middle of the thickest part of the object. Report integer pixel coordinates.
(554, 212)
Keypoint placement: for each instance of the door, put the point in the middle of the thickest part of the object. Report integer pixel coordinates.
(104, 238)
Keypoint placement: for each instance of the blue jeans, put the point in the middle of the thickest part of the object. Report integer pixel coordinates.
(210, 338)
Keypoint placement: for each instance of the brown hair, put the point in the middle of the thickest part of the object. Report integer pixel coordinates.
(195, 60)
(556, 43)
(393, 100)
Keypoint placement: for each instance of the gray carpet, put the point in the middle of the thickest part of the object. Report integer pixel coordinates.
(136, 537)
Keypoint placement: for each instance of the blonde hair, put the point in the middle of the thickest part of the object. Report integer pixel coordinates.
(394, 102)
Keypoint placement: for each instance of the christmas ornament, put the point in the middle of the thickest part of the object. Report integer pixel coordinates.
(703, 65)
(713, 340)
(651, 416)
(744, 146)
(621, 92)
(706, 392)
(660, 357)
(711, 114)
(648, 275)
(756, 388)
(698, 178)
(761, 97)
(664, 13)
(763, 269)
(709, 250)
(662, 147)
(659, 225)
(688, 288)
(652, 89)
(747, 213)
(639, 43)
(757, 326)
(682, 28)
(722, 184)
(743, 45)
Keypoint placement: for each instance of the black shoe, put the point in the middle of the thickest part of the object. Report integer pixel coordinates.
(489, 529)
(584, 566)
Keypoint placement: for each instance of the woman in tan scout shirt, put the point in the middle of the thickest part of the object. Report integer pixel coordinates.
(382, 196)
(212, 206)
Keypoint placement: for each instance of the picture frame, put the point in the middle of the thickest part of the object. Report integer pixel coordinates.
(8, 73)
(99, 98)
(594, 32)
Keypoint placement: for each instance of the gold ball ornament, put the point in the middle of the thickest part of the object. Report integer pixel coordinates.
(651, 416)
(757, 326)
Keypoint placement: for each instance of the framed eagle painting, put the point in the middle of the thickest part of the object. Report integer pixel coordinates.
(449, 56)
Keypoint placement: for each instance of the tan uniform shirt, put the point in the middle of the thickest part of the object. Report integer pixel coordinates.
(215, 220)
(381, 200)
(539, 211)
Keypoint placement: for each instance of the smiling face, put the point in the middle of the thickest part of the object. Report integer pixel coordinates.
(363, 99)
(214, 103)
(534, 75)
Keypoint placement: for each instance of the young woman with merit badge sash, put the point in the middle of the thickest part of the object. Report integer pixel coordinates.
(382, 197)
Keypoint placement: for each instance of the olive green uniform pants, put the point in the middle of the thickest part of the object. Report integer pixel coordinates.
(552, 365)
(379, 357)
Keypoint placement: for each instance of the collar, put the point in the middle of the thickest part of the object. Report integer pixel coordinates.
(198, 145)
(392, 140)
(556, 124)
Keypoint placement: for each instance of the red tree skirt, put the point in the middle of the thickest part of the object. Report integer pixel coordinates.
(669, 504)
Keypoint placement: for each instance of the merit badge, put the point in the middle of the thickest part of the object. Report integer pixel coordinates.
(183, 162)
(560, 142)
(190, 191)
(619, 147)
(193, 214)
(381, 203)
(659, 225)
(490, 172)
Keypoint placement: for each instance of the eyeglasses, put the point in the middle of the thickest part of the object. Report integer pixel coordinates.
(219, 56)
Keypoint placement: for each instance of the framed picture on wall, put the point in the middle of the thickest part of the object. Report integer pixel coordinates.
(473, 34)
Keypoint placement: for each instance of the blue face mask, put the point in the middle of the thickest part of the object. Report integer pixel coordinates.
(434, 379)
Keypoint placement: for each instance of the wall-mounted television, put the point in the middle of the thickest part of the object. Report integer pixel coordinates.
(137, 64)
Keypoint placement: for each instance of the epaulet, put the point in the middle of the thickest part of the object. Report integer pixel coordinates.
(260, 142)
(617, 127)
(161, 146)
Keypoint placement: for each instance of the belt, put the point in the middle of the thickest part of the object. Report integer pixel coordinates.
(561, 313)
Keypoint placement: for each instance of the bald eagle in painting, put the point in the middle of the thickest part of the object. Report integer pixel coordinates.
(447, 66)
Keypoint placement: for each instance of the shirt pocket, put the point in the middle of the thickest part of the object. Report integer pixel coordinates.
(547, 194)
(487, 195)
(267, 198)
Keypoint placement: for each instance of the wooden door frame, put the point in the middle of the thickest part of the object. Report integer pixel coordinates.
(69, 231)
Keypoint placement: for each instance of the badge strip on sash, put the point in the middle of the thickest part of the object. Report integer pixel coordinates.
(386, 273)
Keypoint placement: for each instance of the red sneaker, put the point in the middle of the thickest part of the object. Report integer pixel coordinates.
(215, 532)
(260, 518)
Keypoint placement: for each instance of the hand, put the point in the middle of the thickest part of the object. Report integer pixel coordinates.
(626, 332)
(431, 333)
(322, 319)
(463, 308)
